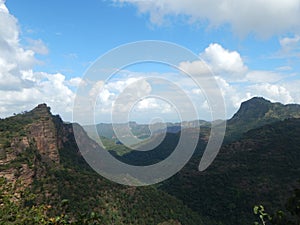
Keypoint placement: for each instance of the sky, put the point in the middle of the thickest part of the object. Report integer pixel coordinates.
(46, 48)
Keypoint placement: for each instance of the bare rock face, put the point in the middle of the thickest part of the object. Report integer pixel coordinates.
(45, 133)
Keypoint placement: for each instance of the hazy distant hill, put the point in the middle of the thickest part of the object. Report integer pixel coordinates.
(252, 114)
(141, 131)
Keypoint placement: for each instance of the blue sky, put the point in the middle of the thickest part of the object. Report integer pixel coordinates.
(253, 48)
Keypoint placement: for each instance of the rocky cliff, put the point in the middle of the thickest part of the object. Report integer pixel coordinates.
(45, 134)
(28, 139)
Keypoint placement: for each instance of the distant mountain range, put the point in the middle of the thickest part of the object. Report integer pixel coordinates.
(253, 113)
(43, 175)
(140, 131)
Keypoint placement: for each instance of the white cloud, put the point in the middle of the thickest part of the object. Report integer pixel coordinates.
(276, 93)
(124, 90)
(221, 61)
(94, 91)
(3, 8)
(47, 88)
(147, 104)
(130, 92)
(247, 16)
(230, 66)
(238, 83)
(76, 81)
(284, 68)
(21, 88)
(38, 46)
(288, 43)
(233, 95)
(120, 85)
(224, 61)
(261, 76)
(293, 88)
(195, 67)
(143, 98)
(290, 46)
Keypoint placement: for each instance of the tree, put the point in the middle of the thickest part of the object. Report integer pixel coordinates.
(291, 217)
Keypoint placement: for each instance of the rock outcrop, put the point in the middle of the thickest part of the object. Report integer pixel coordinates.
(42, 136)
(44, 133)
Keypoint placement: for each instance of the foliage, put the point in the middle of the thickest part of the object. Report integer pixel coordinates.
(263, 216)
(261, 167)
(291, 217)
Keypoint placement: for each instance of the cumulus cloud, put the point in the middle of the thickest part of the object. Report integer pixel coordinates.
(195, 68)
(289, 43)
(49, 88)
(76, 81)
(276, 93)
(144, 97)
(127, 96)
(94, 91)
(221, 61)
(121, 95)
(238, 83)
(290, 46)
(224, 61)
(21, 88)
(244, 17)
(38, 46)
(232, 94)
(261, 76)
(147, 104)
(293, 88)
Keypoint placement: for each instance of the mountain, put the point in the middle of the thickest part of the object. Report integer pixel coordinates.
(140, 131)
(43, 177)
(257, 112)
(262, 167)
(254, 113)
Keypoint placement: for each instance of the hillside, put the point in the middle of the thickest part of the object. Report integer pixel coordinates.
(252, 114)
(260, 168)
(257, 112)
(39, 156)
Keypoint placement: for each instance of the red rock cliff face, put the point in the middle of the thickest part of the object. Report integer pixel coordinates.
(45, 134)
